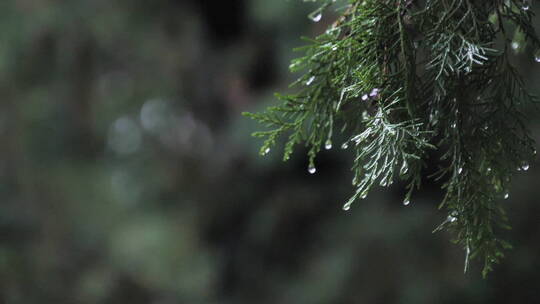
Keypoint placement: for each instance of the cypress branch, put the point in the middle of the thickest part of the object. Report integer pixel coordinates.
(363, 78)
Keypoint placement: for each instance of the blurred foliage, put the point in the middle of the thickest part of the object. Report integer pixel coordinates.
(127, 174)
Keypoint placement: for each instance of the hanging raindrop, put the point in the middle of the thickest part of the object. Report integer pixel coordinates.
(316, 18)
(346, 207)
(312, 169)
(526, 5)
(525, 166)
(328, 144)
(310, 80)
(266, 151)
(404, 168)
(459, 170)
(345, 146)
(406, 202)
(506, 195)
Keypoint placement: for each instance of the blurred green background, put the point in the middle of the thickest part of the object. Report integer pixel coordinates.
(128, 175)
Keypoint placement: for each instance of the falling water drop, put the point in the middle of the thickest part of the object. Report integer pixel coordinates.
(328, 144)
(310, 80)
(316, 18)
(312, 169)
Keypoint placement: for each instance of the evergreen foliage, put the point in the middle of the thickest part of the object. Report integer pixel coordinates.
(404, 78)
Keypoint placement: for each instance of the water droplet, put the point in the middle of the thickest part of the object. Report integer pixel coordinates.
(266, 151)
(526, 5)
(346, 207)
(365, 97)
(365, 115)
(525, 166)
(328, 145)
(515, 45)
(506, 195)
(312, 169)
(404, 169)
(374, 93)
(310, 80)
(363, 196)
(354, 181)
(316, 18)
(345, 146)
(453, 126)
(459, 170)
(406, 202)
(489, 169)
(537, 57)
(451, 218)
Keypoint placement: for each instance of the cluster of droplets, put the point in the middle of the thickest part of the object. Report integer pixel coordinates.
(265, 151)
(372, 95)
(452, 217)
(524, 166)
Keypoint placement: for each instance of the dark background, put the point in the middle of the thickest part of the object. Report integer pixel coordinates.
(128, 175)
